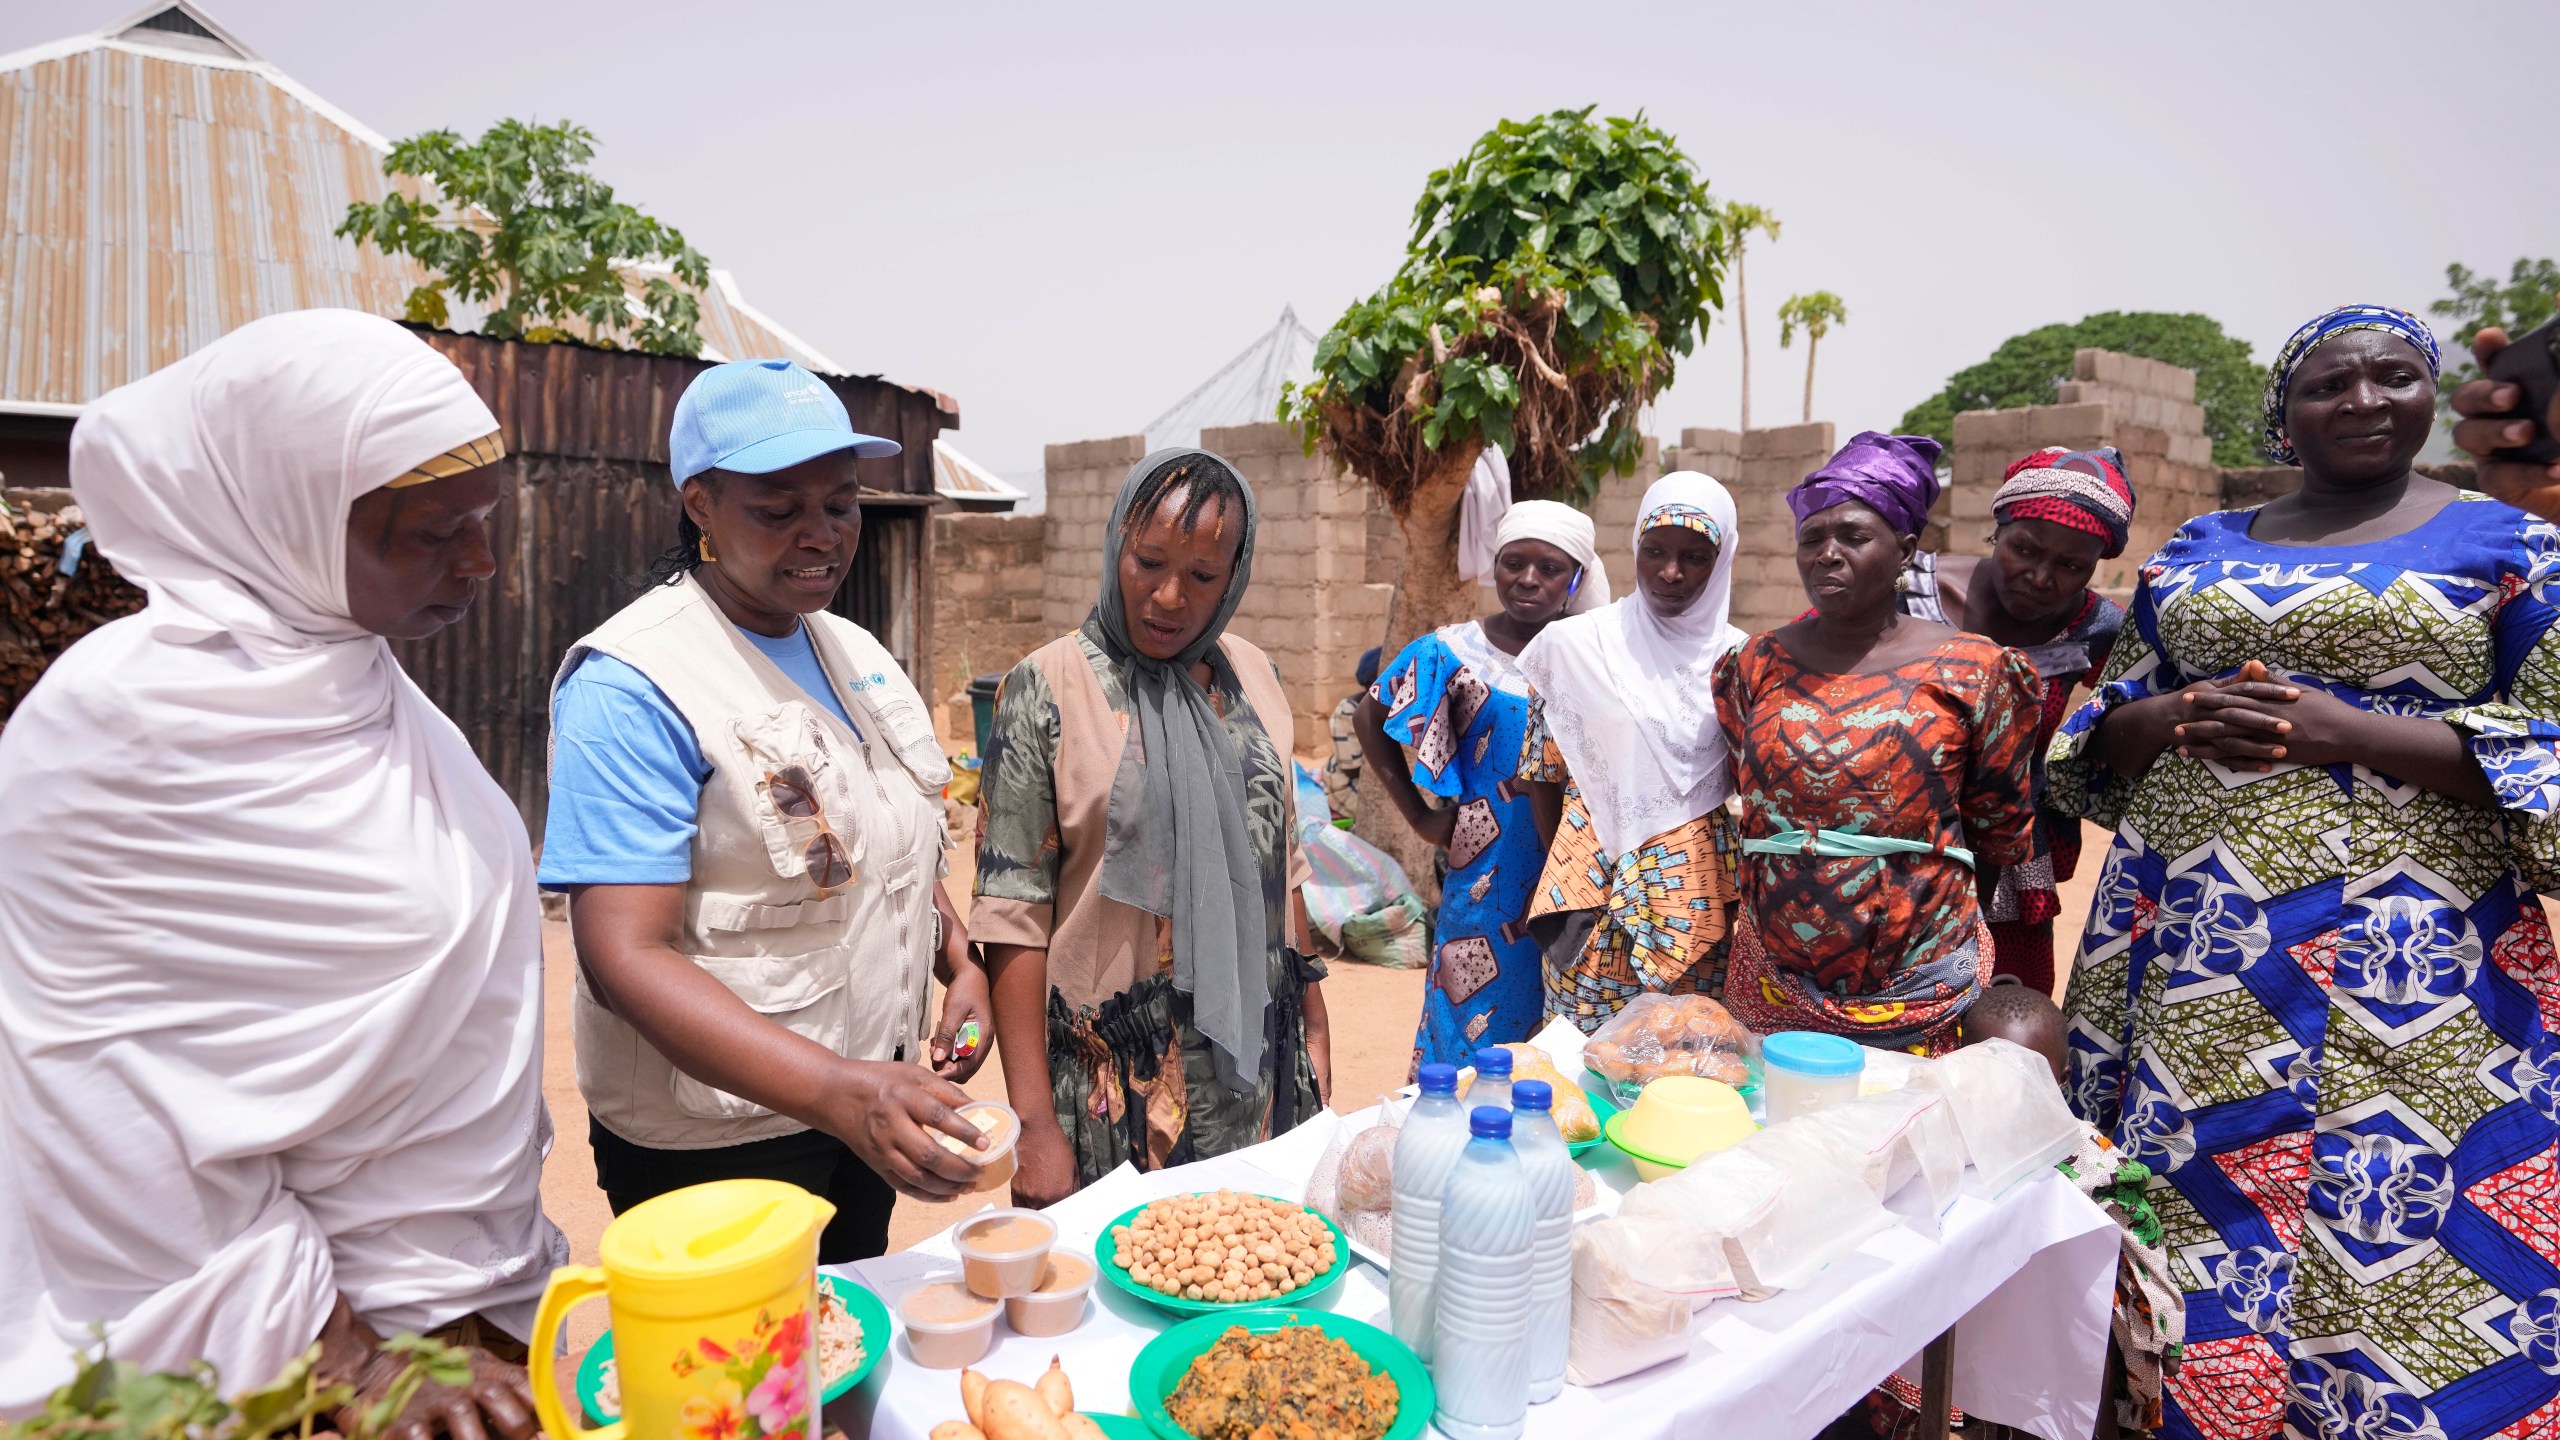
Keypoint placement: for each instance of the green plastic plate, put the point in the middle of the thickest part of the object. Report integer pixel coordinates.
(1108, 1247)
(1167, 1358)
(861, 1304)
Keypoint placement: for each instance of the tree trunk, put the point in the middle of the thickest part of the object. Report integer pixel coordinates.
(1429, 594)
(1742, 324)
(1812, 342)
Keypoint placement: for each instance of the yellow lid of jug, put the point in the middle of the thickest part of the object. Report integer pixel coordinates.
(746, 1236)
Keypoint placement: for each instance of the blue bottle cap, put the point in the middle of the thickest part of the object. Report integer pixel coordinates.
(1487, 1122)
(1532, 1095)
(1810, 1052)
(1493, 1060)
(1438, 1079)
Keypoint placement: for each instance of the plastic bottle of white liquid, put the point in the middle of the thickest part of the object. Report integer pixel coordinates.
(1492, 1085)
(1488, 1225)
(1548, 1166)
(1427, 1146)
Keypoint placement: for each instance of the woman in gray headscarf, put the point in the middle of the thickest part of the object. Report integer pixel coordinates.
(1137, 860)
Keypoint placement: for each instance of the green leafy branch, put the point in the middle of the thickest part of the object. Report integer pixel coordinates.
(111, 1399)
(1552, 278)
(530, 230)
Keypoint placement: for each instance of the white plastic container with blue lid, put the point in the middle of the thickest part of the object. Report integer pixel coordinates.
(1805, 1071)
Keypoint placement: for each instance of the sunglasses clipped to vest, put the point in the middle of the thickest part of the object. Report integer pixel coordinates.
(795, 797)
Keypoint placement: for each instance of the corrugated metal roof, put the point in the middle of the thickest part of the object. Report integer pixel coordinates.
(962, 478)
(160, 187)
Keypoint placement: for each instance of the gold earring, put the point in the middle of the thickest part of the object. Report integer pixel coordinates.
(702, 547)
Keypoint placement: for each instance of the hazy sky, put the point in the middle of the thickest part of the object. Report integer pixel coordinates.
(1067, 215)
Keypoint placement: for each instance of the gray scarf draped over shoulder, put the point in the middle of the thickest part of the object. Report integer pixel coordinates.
(1178, 843)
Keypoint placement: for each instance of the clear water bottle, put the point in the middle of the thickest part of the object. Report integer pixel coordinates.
(1493, 1079)
(1548, 1166)
(1427, 1146)
(1488, 1226)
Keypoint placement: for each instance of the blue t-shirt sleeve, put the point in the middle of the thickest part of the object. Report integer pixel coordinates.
(626, 782)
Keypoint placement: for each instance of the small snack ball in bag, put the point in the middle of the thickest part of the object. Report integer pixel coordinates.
(1658, 1035)
(1573, 1113)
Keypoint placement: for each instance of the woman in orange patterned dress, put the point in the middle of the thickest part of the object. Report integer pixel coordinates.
(1880, 758)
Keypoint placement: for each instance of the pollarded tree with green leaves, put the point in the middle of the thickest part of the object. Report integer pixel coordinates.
(528, 228)
(1554, 276)
(1814, 314)
(2027, 368)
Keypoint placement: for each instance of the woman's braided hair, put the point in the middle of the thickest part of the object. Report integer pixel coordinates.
(1211, 484)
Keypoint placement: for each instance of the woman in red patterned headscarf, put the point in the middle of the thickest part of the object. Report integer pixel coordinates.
(2058, 512)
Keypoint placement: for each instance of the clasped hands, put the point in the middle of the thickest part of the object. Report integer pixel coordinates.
(2251, 720)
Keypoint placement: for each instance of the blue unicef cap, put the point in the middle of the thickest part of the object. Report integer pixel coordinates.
(759, 416)
(1487, 1123)
(1532, 1095)
(1438, 1079)
(1493, 1060)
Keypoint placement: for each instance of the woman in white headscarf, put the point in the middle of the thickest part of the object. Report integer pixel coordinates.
(1456, 701)
(1628, 769)
(270, 955)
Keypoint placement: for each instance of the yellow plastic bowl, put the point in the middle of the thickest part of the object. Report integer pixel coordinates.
(1677, 1119)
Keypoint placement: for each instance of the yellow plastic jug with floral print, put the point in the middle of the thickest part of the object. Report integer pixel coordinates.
(713, 1291)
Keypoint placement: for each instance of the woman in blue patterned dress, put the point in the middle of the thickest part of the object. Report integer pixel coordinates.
(1454, 698)
(2317, 995)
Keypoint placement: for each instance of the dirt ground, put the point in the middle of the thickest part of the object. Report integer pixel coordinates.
(1373, 1013)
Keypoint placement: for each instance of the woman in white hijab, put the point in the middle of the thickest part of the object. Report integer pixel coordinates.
(1455, 700)
(270, 957)
(1628, 771)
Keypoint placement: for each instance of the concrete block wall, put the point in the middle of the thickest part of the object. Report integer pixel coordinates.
(2144, 408)
(1083, 479)
(989, 577)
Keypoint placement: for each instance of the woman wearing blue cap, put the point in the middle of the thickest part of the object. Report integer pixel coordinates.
(745, 809)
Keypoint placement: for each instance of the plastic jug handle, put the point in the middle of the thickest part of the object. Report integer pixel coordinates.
(569, 1285)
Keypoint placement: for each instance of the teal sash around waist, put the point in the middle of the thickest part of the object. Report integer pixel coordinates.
(1841, 844)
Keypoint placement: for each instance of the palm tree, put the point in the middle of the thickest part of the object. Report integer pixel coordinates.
(1815, 314)
(1740, 219)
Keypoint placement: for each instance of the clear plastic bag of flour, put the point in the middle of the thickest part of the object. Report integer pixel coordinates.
(2010, 1112)
(1622, 1321)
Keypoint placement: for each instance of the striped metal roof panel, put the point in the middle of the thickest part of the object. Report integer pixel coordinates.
(157, 191)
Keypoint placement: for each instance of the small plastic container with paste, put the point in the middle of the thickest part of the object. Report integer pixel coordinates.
(1058, 1305)
(947, 1327)
(1808, 1071)
(997, 1121)
(1001, 1251)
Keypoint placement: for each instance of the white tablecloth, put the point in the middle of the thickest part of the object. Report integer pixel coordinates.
(2026, 1278)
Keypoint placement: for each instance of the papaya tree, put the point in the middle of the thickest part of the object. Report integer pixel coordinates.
(1553, 278)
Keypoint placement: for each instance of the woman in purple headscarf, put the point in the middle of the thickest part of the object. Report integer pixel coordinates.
(1880, 757)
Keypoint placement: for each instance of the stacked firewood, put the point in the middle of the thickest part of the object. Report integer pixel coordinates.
(43, 610)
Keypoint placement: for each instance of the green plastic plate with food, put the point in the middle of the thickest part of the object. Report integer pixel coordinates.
(1106, 1255)
(1167, 1359)
(863, 1307)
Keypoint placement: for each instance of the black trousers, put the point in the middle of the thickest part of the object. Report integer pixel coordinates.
(813, 1160)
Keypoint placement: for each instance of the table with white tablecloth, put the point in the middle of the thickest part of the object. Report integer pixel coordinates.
(2024, 1279)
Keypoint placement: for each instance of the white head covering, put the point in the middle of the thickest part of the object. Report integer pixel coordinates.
(1480, 510)
(1567, 529)
(1628, 694)
(270, 954)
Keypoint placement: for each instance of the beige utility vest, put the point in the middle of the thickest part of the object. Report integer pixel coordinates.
(849, 968)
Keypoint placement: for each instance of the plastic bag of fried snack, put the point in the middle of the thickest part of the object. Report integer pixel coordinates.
(1352, 1184)
(1658, 1035)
